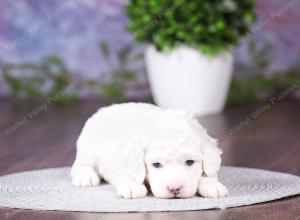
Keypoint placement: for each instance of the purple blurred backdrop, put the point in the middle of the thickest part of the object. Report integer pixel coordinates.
(72, 29)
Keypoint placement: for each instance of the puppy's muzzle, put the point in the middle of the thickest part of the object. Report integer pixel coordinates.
(174, 190)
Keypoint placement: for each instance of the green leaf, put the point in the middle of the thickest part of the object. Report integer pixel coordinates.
(66, 99)
(13, 83)
(89, 83)
(104, 49)
(54, 60)
(112, 91)
(124, 53)
(124, 75)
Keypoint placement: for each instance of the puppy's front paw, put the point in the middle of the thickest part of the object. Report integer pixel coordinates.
(84, 179)
(133, 191)
(211, 188)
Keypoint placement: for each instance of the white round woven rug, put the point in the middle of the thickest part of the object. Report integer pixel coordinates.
(51, 189)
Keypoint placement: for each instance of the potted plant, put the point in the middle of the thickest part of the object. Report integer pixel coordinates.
(189, 60)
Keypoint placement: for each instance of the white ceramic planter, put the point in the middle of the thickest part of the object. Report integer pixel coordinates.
(187, 79)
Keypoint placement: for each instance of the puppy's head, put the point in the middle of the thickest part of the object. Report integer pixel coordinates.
(174, 158)
(173, 172)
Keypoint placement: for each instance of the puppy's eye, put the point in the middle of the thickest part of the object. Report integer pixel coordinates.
(189, 162)
(157, 165)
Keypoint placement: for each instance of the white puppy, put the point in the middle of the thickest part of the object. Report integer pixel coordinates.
(133, 144)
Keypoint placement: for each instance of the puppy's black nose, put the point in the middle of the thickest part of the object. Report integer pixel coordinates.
(174, 190)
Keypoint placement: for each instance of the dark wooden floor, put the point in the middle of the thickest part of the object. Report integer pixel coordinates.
(263, 136)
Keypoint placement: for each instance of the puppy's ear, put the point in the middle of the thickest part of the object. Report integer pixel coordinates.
(211, 153)
(211, 157)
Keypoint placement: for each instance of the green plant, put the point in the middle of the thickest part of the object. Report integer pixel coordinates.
(50, 77)
(209, 25)
(260, 87)
(259, 57)
(42, 80)
(113, 88)
(257, 86)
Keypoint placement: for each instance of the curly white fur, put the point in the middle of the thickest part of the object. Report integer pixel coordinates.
(132, 144)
